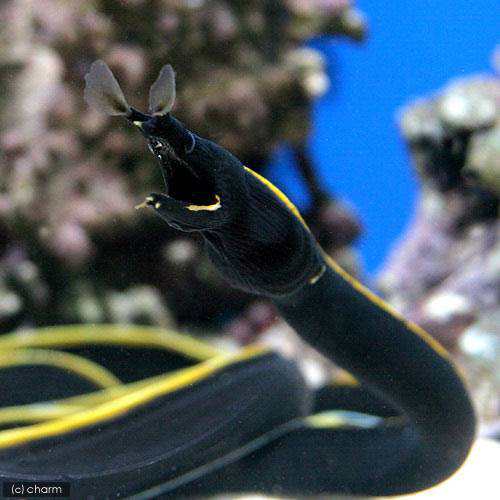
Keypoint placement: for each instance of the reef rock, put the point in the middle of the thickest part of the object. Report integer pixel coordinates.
(444, 273)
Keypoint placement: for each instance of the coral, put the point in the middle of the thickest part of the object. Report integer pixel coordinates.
(444, 274)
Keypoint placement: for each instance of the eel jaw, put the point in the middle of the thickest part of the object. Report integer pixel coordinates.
(183, 182)
(190, 201)
(152, 201)
(183, 215)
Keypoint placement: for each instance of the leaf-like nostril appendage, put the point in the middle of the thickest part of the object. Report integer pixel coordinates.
(162, 92)
(103, 92)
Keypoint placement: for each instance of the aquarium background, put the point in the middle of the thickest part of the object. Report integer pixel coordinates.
(413, 49)
(297, 89)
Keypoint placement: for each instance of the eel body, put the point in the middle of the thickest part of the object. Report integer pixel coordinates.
(260, 243)
(431, 425)
(247, 425)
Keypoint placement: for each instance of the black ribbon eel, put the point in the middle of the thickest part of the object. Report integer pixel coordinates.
(222, 423)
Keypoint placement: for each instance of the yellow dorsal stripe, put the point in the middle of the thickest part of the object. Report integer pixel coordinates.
(126, 402)
(281, 196)
(83, 367)
(417, 330)
(420, 332)
(121, 335)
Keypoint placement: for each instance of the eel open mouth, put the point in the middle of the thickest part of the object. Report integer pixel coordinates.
(192, 187)
(182, 182)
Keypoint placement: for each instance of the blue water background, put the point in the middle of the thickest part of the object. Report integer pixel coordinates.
(413, 49)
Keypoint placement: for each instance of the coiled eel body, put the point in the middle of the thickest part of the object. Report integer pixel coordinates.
(259, 242)
(245, 424)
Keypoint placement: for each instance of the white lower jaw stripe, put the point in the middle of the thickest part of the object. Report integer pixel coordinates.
(208, 208)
